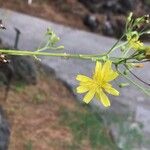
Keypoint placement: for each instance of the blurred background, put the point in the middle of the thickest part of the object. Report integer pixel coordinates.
(106, 17)
(38, 109)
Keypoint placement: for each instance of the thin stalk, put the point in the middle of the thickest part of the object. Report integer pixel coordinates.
(134, 83)
(114, 46)
(132, 57)
(144, 61)
(136, 76)
(36, 53)
(48, 48)
(126, 52)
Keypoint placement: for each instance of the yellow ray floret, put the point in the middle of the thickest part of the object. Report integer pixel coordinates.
(98, 85)
(133, 41)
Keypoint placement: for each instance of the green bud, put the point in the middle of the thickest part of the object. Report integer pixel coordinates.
(104, 58)
(140, 57)
(49, 31)
(126, 72)
(129, 66)
(54, 39)
(60, 47)
(129, 17)
(122, 85)
(123, 48)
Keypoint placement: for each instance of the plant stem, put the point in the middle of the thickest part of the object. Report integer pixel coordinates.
(134, 83)
(36, 53)
(114, 46)
(148, 84)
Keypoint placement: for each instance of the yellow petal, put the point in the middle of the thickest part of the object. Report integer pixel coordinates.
(109, 89)
(83, 78)
(82, 89)
(97, 73)
(106, 68)
(111, 76)
(104, 99)
(88, 97)
(89, 85)
(98, 66)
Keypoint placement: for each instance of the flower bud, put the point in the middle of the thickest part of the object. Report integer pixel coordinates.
(122, 85)
(138, 65)
(140, 57)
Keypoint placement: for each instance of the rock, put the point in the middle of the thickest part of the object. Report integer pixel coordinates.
(127, 5)
(91, 21)
(24, 69)
(92, 5)
(111, 6)
(108, 29)
(102, 6)
(19, 69)
(113, 26)
(4, 131)
(6, 73)
(45, 68)
(119, 28)
(118, 6)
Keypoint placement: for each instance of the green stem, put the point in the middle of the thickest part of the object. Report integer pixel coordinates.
(116, 45)
(36, 53)
(134, 83)
(126, 52)
(42, 49)
(46, 48)
(143, 61)
(125, 59)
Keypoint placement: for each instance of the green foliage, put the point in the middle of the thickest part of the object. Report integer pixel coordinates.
(28, 145)
(147, 2)
(52, 37)
(85, 126)
(129, 133)
(19, 86)
(52, 41)
(38, 98)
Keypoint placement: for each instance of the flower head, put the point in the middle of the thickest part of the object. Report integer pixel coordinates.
(133, 40)
(98, 84)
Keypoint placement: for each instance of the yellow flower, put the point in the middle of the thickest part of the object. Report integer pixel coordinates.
(133, 40)
(137, 45)
(98, 84)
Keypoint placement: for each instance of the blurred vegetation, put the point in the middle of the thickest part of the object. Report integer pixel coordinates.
(85, 125)
(147, 2)
(19, 86)
(28, 145)
(129, 134)
(94, 126)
